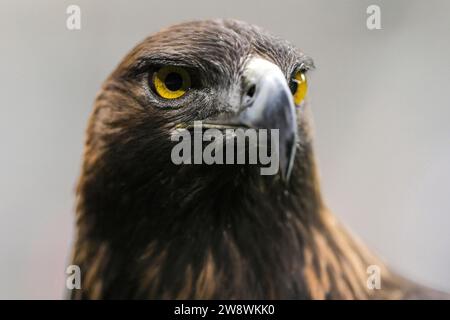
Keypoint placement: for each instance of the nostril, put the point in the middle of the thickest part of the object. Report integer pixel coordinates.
(251, 91)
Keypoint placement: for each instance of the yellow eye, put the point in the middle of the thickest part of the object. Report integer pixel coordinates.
(299, 87)
(171, 82)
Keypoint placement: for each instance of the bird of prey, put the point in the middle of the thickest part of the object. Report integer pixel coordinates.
(151, 229)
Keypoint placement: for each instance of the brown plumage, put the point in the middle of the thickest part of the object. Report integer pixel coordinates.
(147, 228)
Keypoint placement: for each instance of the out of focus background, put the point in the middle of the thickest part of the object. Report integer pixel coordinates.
(380, 98)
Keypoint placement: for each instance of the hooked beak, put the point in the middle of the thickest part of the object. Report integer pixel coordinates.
(268, 104)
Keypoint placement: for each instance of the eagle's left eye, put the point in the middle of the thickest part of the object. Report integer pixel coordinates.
(299, 87)
(171, 82)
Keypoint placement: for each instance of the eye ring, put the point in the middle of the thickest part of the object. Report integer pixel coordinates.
(299, 87)
(171, 82)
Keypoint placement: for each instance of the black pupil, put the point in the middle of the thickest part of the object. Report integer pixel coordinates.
(173, 81)
(293, 85)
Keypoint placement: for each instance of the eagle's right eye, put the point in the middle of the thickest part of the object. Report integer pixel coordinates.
(171, 82)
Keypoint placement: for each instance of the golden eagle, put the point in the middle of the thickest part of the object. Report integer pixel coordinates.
(149, 229)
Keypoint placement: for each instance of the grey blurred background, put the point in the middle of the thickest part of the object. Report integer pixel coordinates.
(380, 101)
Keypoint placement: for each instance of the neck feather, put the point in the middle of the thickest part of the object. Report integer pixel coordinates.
(223, 236)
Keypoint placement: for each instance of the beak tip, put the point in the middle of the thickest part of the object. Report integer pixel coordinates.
(287, 160)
